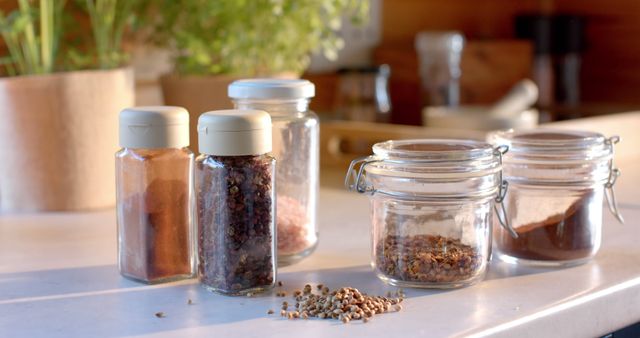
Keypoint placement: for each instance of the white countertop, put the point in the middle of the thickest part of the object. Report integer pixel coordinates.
(58, 278)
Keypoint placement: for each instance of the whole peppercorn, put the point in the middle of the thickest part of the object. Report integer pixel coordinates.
(236, 223)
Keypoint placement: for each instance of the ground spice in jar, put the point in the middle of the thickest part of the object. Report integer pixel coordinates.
(235, 223)
(427, 258)
(156, 244)
(560, 237)
(154, 194)
(293, 226)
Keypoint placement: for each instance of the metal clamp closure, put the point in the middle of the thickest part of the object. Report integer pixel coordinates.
(356, 175)
(500, 209)
(614, 173)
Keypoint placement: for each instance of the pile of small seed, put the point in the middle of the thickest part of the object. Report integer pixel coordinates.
(345, 304)
(428, 258)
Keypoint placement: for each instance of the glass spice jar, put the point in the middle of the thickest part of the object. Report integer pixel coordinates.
(235, 202)
(154, 190)
(431, 209)
(296, 148)
(558, 179)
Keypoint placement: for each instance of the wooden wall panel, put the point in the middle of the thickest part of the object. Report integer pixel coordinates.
(401, 19)
(611, 64)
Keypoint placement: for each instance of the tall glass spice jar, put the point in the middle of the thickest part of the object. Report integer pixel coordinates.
(558, 179)
(296, 148)
(235, 202)
(154, 190)
(432, 205)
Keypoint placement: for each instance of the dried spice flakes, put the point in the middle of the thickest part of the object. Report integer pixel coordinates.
(427, 258)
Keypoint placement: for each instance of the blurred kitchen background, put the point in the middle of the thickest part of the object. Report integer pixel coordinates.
(383, 69)
(582, 54)
(591, 47)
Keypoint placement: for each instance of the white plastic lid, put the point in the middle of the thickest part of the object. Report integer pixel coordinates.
(290, 89)
(234, 132)
(153, 127)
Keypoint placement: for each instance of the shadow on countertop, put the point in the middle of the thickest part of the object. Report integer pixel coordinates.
(97, 302)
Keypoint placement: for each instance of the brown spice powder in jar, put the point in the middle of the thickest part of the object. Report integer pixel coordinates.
(427, 258)
(154, 194)
(235, 223)
(560, 237)
(156, 238)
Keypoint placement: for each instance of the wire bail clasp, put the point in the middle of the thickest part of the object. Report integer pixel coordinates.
(354, 179)
(614, 173)
(500, 209)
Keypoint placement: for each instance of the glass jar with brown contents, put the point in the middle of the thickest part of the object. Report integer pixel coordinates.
(432, 204)
(235, 202)
(558, 180)
(154, 190)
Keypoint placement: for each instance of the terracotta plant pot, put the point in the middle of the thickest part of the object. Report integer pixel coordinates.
(58, 136)
(198, 94)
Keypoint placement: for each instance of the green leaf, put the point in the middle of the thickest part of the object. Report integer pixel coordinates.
(251, 37)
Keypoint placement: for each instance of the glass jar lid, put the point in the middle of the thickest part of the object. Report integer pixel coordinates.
(434, 156)
(553, 145)
(436, 170)
(429, 169)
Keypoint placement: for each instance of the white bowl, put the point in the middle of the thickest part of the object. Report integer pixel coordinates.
(476, 118)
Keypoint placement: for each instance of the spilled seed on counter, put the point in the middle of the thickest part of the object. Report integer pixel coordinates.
(345, 304)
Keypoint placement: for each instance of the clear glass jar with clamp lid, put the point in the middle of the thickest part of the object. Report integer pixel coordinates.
(558, 181)
(432, 204)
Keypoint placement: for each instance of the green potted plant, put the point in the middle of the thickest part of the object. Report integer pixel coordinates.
(59, 104)
(216, 42)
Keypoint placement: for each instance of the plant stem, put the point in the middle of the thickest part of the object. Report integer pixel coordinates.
(29, 45)
(15, 51)
(46, 35)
